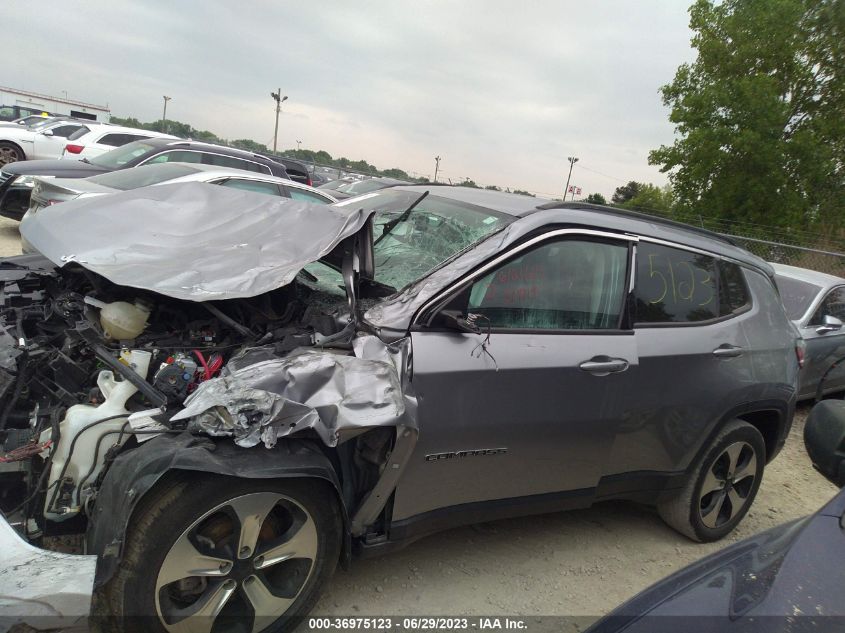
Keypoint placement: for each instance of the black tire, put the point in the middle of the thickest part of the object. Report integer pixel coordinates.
(706, 515)
(130, 602)
(10, 153)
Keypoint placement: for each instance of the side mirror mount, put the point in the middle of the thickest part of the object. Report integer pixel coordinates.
(455, 320)
(824, 439)
(829, 324)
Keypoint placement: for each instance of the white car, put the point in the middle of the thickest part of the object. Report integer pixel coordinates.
(39, 141)
(49, 191)
(103, 138)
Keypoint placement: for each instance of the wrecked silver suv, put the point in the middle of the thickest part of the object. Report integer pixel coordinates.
(228, 394)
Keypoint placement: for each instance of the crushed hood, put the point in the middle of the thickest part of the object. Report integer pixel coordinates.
(199, 242)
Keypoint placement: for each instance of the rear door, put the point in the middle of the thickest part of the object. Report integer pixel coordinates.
(695, 358)
(531, 405)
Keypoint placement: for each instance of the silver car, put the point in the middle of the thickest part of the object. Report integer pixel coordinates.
(816, 304)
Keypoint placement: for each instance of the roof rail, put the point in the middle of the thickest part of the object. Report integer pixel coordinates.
(627, 213)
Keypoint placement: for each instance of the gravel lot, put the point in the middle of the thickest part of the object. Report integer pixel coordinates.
(580, 563)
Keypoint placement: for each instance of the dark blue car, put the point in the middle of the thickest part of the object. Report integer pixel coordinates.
(790, 578)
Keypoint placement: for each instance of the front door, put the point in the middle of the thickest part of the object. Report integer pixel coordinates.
(532, 408)
(824, 347)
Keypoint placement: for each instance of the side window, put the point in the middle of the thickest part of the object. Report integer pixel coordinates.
(832, 305)
(563, 285)
(674, 286)
(307, 196)
(251, 185)
(234, 163)
(117, 140)
(176, 156)
(66, 130)
(733, 292)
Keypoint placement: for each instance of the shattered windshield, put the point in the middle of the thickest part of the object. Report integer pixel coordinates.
(409, 246)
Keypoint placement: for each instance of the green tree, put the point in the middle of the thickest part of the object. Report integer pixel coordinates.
(651, 198)
(249, 145)
(760, 114)
(596, 198)
(626, 192)
(469, 183)
(492, 188)
(522, 192)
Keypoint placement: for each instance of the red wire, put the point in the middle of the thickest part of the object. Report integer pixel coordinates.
(201, 359)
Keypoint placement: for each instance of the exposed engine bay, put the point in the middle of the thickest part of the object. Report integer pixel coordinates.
(80, 355)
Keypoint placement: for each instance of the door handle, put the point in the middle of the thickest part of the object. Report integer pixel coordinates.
(604, 365)
(728, 351)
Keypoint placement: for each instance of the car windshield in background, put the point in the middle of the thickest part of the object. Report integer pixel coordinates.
(143, 176)
(121, 155)
(362, 186)
(434, 231)
(796, 295)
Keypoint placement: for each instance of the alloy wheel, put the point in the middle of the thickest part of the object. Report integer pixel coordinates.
(8, 155)
(727, 485)
(239, 567)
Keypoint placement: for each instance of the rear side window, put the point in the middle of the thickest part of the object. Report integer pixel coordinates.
(678, 286)
(256, 186)
(234, 163)
(307, 196)
(733, 293)
(175, 156)
(118, 140)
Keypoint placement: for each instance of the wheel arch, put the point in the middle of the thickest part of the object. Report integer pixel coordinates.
(136, 472)
(773, 418)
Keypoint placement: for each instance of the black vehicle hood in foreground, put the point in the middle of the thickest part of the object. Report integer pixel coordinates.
(57, 168)
(789, 578)
(199, 242)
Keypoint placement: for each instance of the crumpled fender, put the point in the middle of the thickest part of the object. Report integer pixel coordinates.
(135, 472)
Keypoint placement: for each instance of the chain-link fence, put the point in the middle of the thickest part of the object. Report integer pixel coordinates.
(819, 259)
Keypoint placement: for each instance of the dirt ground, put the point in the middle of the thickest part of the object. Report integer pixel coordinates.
(580, 563)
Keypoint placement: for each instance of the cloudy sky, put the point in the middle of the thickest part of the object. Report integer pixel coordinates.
(503, 91)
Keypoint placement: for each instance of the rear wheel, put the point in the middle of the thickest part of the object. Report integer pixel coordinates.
(721, 487)
(10, 153)
(224, 554)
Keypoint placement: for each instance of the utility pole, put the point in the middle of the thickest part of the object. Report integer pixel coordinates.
(298, 145)
(277, 96)
(572, 160)
(164, 114)
(436, 167)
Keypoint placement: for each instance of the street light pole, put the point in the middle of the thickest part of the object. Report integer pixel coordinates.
(277, 96)
(298, 145)
(436, 167)
(572, 160)
(164, 114)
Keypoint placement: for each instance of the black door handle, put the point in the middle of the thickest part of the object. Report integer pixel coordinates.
(728, 351)
(604, 365)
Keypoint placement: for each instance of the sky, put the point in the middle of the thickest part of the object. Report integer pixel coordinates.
(502, 91)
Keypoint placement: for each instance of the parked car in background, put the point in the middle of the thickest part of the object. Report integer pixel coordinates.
(359, 187)
(48, 192)
(12, 112)
(86, 143)
(17, 180)
(39, 141)
(27, 120)
(563, 354)
(789, 578)
(816, 304)
(297, 170)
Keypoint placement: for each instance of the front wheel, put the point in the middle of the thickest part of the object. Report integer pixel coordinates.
(10, 153)
(721, 486)
(226, 554)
